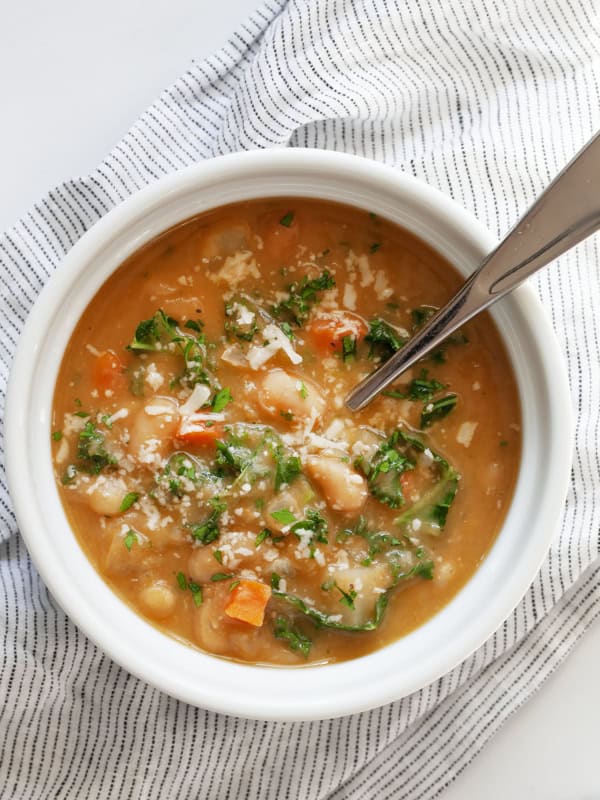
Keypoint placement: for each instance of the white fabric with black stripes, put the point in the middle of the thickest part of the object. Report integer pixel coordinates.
(486, 101)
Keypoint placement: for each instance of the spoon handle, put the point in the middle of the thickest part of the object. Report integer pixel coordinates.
(567, 212)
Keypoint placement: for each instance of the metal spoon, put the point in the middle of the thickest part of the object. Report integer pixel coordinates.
(567, 212)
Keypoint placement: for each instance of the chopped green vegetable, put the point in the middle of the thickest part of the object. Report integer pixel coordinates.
(196, 591)
(69, 475)
(207, 531)
(194, 325)
(315, 523)
(303, 390)
(275, 580)
(221, 576)
(57, 436)
(374, 247)
(128, 501)
(384, 469)
(383, 338)
(161, 332)
(287, 219)
(421, 315)
(348, 348)
(152, 333)
(302, 295)
(218, 555)
(287, 415)
(431, 509)
(421, 388)
(288, 467)
(348, 597)
(284, 516)
(423, 569)
(181, 581)
(130, 539)
(438, 409)
(295, 639)
(91, 450)
(221, 399)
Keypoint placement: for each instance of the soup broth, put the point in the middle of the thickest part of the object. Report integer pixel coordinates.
(209, 467)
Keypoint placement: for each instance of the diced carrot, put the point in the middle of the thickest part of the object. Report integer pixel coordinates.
(280, 232)
(199, 430)
(107, 371)
(328, 331)
(247, 602)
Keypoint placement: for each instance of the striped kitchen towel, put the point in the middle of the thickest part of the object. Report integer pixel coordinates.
(486, 101)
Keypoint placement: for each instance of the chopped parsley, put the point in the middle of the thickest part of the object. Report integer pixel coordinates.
(221, 399)
(348, 348)
(315, 523)
(287, 219)
(181, 580)
(128, 501)
(162, 332)
(303, 390)
(275, 580)
(383, 338)
(91, 450)
(302, 295)
(185, 584)
(438, 409)
(294, 637)
(218, 554)
(207, 531)
(130, 539)
(348, 597)
(284, 516)
(288, 467)
(57, 436)
(421, 388)
(221, 576)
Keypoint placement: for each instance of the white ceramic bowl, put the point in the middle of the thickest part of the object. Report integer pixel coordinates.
(264, 692)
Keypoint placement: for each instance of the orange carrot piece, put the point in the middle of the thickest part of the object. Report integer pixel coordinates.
(107, 371)
(247, 602)
(327, 332)
(198, 431)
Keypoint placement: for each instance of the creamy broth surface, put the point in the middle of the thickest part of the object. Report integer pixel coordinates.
(208, 465)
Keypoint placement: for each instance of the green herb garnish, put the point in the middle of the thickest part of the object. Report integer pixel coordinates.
(57, 436)
(295, 639)
(130, 539)
(287, 219)
(302, 295)
(438, 409)
(128, 501)
(284, 516)
(93, 455)
(383, 338)
(221, 399)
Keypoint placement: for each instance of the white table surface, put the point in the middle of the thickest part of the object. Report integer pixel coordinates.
(73, 76)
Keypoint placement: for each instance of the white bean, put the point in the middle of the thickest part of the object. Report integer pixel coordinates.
(106, 495)
(202, 564)
(280, 393)
(151, 433)
(158, 600)
(344, 489)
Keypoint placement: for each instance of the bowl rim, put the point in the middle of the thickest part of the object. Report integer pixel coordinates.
(288, 699)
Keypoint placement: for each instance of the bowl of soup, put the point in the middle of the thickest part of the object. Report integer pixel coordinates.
(190, 483)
